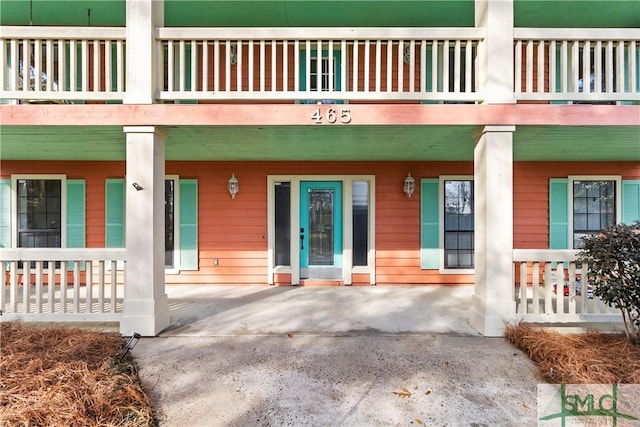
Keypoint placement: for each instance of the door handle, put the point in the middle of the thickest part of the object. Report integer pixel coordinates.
(302, 239)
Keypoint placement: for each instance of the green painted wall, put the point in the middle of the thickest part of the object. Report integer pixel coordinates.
(337, 13)
(354, 143)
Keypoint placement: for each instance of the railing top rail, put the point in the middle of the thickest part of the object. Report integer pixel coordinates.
(65, 33)
(62, 254)
(548, 255)
(577, 33)
(319, 33)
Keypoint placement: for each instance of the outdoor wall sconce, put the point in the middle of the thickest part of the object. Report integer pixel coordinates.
(233, 186)
(409, 185)
(233, 54)
(407, 54)
(129, 345)
(137, 186)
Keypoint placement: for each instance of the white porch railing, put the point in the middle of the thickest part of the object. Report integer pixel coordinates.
(573, 64)
(61, 284)
(59, 64)
(552, 288)
(430, 64)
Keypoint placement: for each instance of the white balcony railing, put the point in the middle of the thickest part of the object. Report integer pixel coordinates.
(420, 64)
(75, 64)
(582, 65)
(61, 284)
(551, 288)
(58, 64)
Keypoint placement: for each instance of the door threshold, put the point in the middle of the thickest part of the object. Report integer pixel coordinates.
(321, 282)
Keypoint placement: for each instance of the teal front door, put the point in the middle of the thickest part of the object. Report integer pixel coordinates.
(321, 230)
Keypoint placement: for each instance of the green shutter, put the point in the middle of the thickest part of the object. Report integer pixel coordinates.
(559, 213)
(630, 201)
(429, 224)
(114, 213)
(76, 213)
(188, 224)
(5, 213)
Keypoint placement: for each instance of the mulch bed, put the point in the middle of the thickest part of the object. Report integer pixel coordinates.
(61, 376)
(588, 358)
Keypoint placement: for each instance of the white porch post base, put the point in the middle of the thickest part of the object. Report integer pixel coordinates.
(493, 297)
(490, 321)
(152, 317)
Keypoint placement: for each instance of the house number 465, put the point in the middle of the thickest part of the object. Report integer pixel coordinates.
(332, 115)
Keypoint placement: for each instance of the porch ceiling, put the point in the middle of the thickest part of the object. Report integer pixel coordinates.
(348, 13)
(349, 143)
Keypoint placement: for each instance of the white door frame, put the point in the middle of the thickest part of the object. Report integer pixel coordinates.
(347, 226)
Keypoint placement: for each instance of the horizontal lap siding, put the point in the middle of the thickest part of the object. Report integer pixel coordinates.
(234, 232)
(94, 173)
(531, 194)
(398, 224)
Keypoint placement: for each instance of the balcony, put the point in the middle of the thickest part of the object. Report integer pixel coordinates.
(316, 65)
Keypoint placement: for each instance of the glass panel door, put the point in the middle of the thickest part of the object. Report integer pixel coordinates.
(320, 230)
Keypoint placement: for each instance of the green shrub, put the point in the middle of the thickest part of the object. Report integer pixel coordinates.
(613, 257)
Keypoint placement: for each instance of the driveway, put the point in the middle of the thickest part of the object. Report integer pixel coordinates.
(335, 356)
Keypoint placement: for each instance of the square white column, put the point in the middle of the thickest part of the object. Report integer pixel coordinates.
(493, 298)
(142, 19)
(146, 308)
(496, 52)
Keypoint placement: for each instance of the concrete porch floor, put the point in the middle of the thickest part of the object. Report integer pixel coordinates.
(332, 356)
(336, 310)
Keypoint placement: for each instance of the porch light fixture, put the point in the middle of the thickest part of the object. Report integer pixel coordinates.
(409, 185)
(233, 186)
(233, 54)
(129, 345)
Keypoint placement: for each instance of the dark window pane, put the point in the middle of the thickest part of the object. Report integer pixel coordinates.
(360, 222)
(594, 207)
(169, 222)
(459, 224)
(39, 213)
(283, 223)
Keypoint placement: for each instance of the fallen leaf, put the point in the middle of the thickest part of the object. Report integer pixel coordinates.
(290, 335)
(418, 421)
(403, 393)
(428, 391)
(415, 388)
(525, 406)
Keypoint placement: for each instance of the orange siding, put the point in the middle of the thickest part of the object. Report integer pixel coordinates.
(531, 194)
(234, 232)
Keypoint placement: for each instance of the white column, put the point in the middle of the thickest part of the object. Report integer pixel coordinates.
(495, 54)
(493, 298)
(146, 308)
(142, 18)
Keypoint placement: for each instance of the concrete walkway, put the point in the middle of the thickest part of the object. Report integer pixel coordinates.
(332, 356)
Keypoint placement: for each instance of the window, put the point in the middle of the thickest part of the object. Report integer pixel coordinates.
(282, 223)
(360, 212)
(329, 73)
(324, 74)
(582, 205)
(39, 213)
(458, 224)
(594, 207)
(169, 222)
